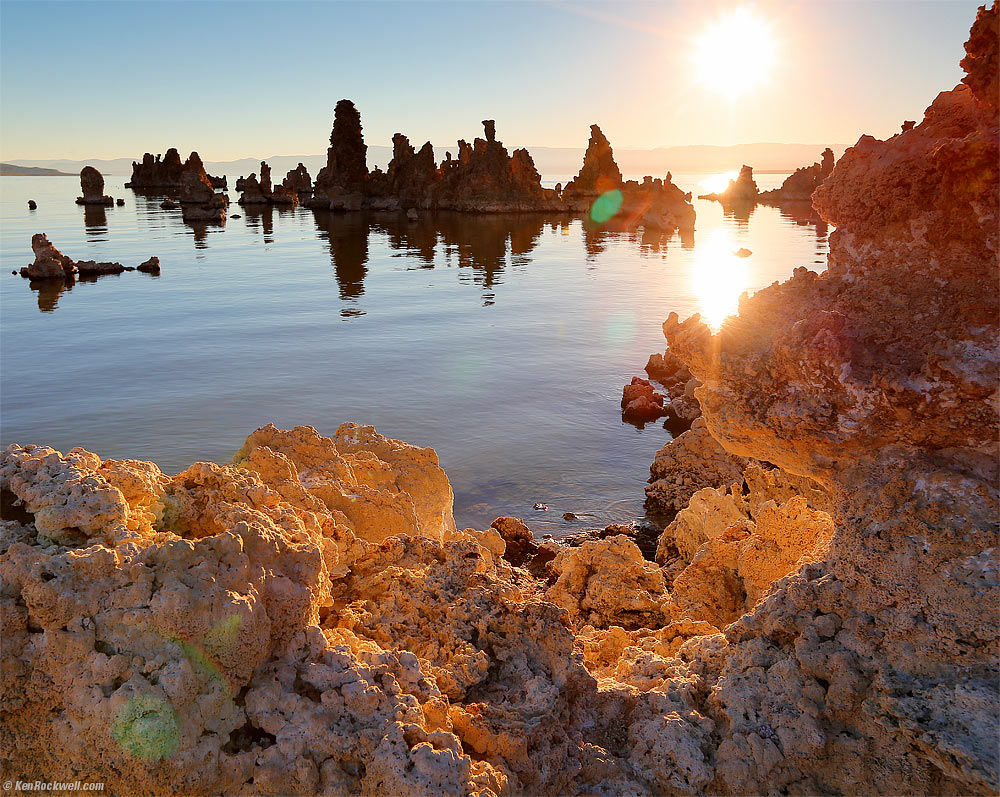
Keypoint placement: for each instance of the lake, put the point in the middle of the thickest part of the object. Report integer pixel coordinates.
(501, 341)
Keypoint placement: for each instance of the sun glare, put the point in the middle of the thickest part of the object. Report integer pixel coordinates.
(735, 54)
(717, 183)
(720, 277)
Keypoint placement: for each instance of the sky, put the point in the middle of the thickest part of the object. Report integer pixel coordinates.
(254, 79)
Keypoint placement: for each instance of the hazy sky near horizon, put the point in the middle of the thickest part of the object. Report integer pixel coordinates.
(255, 79)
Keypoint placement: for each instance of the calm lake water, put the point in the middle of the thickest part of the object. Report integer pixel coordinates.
(503, 342)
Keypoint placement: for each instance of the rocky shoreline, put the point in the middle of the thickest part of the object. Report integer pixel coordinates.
(307, 619)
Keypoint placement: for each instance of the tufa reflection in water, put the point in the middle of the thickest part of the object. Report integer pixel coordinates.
(483, 247)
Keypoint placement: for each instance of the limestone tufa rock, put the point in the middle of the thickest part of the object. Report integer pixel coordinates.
(92, 185)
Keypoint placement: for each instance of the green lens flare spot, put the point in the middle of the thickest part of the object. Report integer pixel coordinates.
(606, 206)
(146, 727)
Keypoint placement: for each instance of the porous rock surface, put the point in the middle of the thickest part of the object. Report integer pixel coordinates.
(877, 379)
(307, 619)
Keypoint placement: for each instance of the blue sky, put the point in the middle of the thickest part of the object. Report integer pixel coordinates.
(245, 79)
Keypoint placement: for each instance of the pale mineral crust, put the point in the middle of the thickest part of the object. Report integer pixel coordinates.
(308, 620)
(874, 669)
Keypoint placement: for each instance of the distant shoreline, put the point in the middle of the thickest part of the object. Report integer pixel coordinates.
(13, 170)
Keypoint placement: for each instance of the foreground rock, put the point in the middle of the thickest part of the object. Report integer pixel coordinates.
(307, 619)
(640, 402)
(51, 264)
(92, 185)
(876, 380)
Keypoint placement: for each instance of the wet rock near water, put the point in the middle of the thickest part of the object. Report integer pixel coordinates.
(640, 402)
(51, 264)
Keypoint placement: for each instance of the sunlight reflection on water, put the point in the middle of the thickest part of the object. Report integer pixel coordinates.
(502, 341)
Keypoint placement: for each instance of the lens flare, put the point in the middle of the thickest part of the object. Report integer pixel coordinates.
(606, 206)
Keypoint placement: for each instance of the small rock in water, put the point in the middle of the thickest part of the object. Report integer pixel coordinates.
(14, 272)
(236, 216)
(541, 507)
(741, 252)
(120, 202)
(151, 266)
(32, 205)
(168, 204)
(570, 516)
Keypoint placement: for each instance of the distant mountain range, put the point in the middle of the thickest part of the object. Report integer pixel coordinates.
(550, 161)
(13, 170)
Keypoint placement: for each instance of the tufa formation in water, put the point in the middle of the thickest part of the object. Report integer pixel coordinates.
(92, 185)
(484, 178)
(167, 175)
(307, 619)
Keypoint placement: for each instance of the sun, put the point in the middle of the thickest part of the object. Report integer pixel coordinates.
(736, 54)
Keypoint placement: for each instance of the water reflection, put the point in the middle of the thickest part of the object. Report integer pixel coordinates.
(719, 277)
(648, 241)
(804, 215)
(481, 247)
(347, 237)
(49, 292)
(95, 222)
(260, 218)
